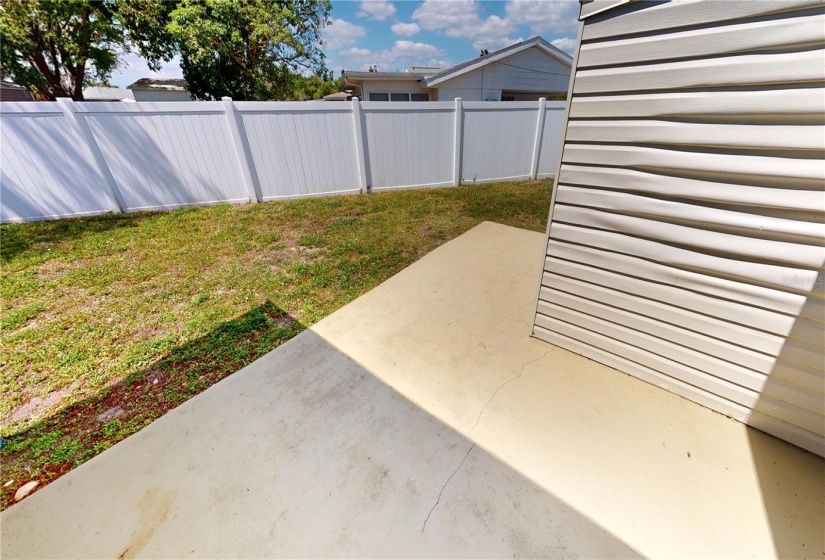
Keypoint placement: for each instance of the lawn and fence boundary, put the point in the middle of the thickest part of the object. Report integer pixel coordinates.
(68, 159)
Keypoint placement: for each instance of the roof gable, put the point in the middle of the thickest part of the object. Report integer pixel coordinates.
(471, 65)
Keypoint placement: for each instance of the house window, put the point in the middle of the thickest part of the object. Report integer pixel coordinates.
(399, 97)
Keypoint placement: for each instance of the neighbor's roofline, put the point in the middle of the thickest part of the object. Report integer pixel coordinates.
(470, 65)
(417, 76)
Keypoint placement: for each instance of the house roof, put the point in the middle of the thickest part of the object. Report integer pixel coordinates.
(107, 94)
(339, 96)
(13, 92)
(475, 63)
(417, 76)
(168, 84)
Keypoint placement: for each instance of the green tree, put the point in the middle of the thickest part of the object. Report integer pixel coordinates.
(54, 48)
(246, 49)
(315, 86)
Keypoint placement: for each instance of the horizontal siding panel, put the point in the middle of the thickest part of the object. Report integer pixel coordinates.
(651, 16)
(765, 330)
(678, 345)
(754, 69)
(755, 300)
(791, 254)
(664, 356)
(687, 241)
(733, 221)
(807, 101)
(804, 28)
(767, 137)
(810, 172)
(692, 189)
(620, 356)
(741, 344)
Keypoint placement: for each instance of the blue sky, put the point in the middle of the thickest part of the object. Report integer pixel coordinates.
(393, 35)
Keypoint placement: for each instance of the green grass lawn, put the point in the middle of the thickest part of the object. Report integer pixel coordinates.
(109, 322)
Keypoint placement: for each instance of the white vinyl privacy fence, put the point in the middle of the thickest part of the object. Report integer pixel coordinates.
(73, 159)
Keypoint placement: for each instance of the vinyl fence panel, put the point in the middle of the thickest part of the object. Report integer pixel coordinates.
(301, 148)
(498, 144)
(167, 155)
(69, 159)
(46, 169)
(410, 144)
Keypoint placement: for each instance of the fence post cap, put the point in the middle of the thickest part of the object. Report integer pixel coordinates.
(458, 99)
(354, 98)
(226, 98)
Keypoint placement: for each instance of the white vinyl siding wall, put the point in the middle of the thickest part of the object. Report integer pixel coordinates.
(687, 236)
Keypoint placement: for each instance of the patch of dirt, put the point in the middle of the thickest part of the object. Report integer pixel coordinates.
(55, 270)
(37, 405)
(110, 414)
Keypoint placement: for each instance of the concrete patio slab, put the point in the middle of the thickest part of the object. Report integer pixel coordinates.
(421, 420)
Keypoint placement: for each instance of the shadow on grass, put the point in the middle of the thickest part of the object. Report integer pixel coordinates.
(56, 444)
(18, 238)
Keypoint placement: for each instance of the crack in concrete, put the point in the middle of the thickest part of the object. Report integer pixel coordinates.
(445, 486)
(500, 387)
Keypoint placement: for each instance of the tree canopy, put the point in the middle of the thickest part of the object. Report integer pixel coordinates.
(54, 48)
(247, 49)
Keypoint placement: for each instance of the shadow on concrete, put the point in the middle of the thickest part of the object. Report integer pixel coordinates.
(784, 472)
(60, 442)
(304, 453)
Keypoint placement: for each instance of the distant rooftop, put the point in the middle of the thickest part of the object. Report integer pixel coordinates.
(168, 84)
(107, 94)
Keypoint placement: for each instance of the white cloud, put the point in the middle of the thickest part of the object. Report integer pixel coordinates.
(405, 29)
(495, 43)
(376, 9)
(566, 44)
(402, 54)
(340, 33)
(462, 18)
(547, 16)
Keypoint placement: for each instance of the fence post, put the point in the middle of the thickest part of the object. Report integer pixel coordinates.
(361, 145)
(248, 174)
(459, 138)
(67, 106)
(534, 169)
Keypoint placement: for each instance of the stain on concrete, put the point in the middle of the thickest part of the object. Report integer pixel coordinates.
(154, 509)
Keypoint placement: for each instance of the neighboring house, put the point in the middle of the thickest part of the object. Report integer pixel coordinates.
(108, 94)
(339, 96)
(160, 89)
(522, 72)
(13, 92)
(687, 243)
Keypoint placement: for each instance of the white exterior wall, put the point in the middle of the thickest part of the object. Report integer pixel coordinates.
(488, 82)
(393, 86)
(686, 243)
